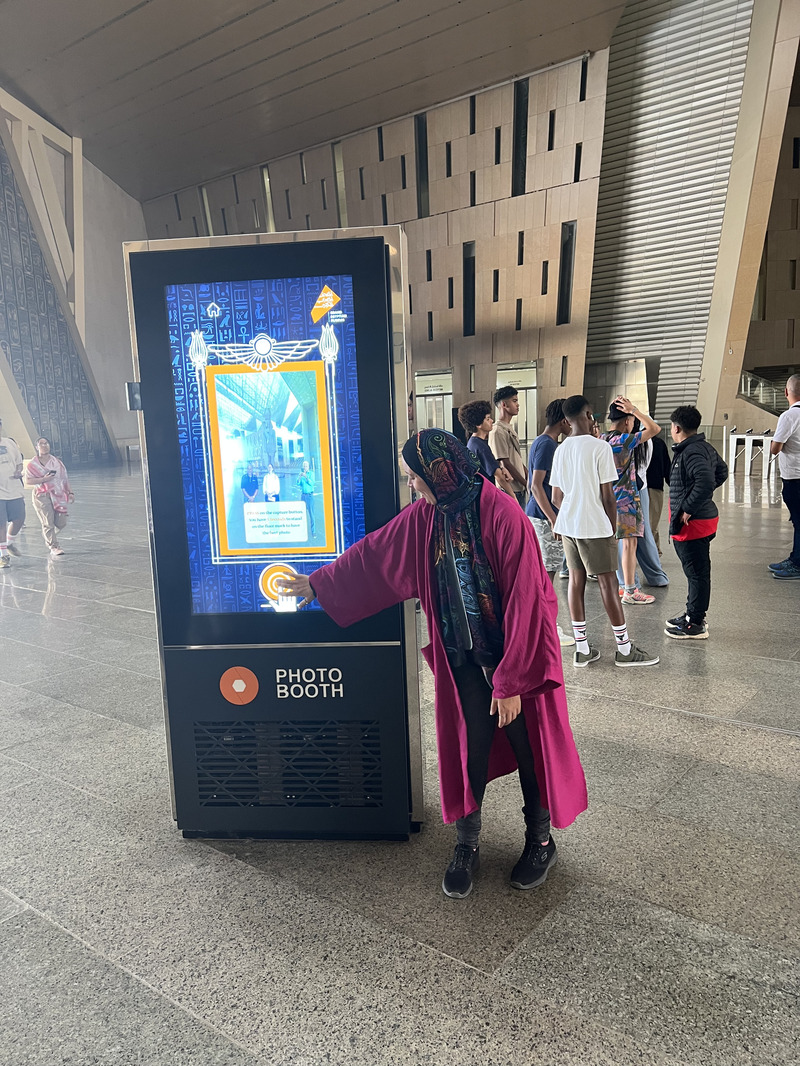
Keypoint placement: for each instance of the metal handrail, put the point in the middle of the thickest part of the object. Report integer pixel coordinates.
(759, 390)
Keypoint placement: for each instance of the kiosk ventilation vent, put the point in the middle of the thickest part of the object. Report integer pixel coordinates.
(289, 764)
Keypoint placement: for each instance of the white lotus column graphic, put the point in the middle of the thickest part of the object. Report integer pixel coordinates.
(328, 344)
(198, 351)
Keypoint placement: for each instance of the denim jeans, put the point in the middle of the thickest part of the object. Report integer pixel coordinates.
(476, 702)
(646, 550)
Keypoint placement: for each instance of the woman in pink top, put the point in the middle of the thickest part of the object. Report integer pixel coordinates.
(471, 557)
(51, 493)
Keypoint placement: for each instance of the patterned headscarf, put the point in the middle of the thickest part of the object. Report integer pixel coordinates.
(470, 608)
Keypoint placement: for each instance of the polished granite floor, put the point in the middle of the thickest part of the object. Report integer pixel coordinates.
(668, 933)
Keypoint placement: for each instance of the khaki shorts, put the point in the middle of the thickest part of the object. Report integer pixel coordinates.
(596, 556)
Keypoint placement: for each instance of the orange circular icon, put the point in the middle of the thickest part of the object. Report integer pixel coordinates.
(239, 685)
(269, 577)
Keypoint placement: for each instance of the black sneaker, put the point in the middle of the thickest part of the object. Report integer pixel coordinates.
(534, 862)
(678, 620)
(771, 566)
(790, 572)
(457, 881)
(687, 630)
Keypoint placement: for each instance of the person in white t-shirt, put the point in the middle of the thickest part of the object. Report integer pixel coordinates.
(785, 444)
(582, 480)
(12, 498)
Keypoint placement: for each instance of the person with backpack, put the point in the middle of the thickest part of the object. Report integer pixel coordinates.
(697, 470)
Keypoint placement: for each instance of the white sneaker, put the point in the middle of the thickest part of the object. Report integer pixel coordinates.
(55, 552)
(566, 639)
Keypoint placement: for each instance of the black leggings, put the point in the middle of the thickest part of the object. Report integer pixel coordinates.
(476, 702)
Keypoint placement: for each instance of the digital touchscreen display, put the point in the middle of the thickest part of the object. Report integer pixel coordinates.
(266, 395)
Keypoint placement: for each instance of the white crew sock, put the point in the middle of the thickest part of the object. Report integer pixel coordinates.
(581, 643)
(622, 638)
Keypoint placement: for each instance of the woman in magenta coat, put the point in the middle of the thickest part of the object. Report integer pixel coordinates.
(470, 555)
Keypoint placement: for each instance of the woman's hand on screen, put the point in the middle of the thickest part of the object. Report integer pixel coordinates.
(296, 585)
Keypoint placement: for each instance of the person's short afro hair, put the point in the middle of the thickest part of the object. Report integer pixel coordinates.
(688, 418)
(471, 414)
(573, 405)
(554, 413)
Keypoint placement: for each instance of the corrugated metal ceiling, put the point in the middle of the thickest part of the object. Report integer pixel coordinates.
(169, 93)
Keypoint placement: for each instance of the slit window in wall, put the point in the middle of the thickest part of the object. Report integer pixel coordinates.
(566, 269)
(225, 222)
(495, 286)
(403, 176)
(303, 174)
(576, 175)
(792, 273)
(551, 131)
(428, 265)
(545, 273)
(384, 210)
(380, 144)
(361, 182)
(235, 188)
(790, 333)
(323, 188)
(472, 108)
(793, 213)
(518, 316)
(519, 143)
(410, 302)
(450, 293)
(796, 153)
(448, 159)
(497, 144)
(196, 227)
(421, 154)
(468, 290)
(584, 78)
(521, 247)
(288, 204)
(564, 360)
(256, 216)
(308, 221)
(338, 183)
(472, 188)
(471, 377)
(178, 207)
(430, 325)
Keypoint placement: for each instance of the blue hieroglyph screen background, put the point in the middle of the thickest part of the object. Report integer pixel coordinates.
(231, 314)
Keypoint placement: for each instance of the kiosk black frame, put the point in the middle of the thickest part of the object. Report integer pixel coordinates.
(332, 765)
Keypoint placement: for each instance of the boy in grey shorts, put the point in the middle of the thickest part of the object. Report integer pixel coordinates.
(582, 479)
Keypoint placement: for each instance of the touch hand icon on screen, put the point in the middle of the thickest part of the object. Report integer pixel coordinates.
(268, 583)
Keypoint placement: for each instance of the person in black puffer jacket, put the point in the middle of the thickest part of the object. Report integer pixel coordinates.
(697, 470)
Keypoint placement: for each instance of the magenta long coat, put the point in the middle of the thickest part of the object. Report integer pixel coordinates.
(394, 563)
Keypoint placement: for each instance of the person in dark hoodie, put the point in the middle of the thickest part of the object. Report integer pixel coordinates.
(697, 470)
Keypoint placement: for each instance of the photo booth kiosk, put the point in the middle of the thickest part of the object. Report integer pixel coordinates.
(271, 380)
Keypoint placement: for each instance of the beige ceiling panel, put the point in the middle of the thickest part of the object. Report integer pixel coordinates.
(268, 47)
(172, 93)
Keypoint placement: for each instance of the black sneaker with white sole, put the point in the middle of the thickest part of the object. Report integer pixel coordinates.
(533, 864)
(678, 620)
(686, 630)
(457, 881)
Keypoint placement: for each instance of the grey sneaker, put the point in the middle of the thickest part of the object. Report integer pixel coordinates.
(635, 657)
(582, 658)
(14, 550)
(4, 561)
